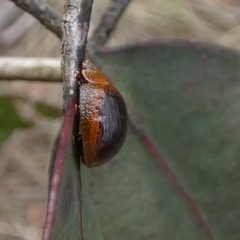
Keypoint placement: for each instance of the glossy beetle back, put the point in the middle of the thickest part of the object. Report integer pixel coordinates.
(103, 117)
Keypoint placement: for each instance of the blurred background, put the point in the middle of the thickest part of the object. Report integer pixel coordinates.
(35, 108)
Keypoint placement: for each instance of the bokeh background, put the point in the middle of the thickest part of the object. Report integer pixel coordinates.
(25, 153)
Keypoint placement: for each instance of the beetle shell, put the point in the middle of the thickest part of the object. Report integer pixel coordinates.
(103, 117)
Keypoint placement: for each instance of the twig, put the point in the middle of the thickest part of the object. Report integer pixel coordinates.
(31, 69)
(75, 29)
(109, 21)
(48, 17)
(44, 13)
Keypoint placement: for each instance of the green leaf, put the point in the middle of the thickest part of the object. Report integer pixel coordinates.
(9, 119)
(188, 95)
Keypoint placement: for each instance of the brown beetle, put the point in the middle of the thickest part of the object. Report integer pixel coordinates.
(103, 117)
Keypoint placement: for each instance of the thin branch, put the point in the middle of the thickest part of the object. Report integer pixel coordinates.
(75, 29)
(30, 69)
(44, 13)
(51, 19)
(109, 21)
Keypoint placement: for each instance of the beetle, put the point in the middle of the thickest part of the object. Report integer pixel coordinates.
(103, 117)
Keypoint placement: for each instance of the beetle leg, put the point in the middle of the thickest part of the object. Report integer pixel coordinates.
(76, 109)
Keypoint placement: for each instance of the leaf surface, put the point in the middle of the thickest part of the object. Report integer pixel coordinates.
(187, 97)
